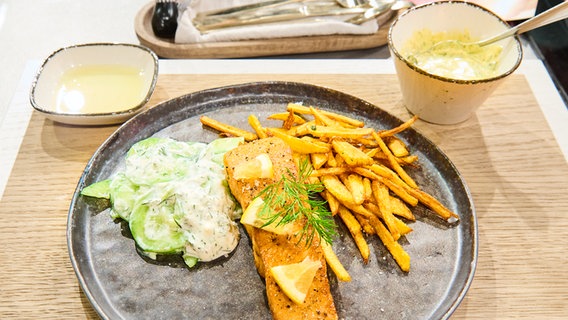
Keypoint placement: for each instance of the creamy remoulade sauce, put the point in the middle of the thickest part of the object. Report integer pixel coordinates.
(432, 53)
(175, 198)
(192, 173)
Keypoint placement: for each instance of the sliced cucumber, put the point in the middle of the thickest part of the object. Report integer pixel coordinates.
(217, 148)
(155, 230)
(190, 261)
(123, 195)
(99, 189)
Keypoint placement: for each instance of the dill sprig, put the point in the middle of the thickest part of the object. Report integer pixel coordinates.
(292, 198)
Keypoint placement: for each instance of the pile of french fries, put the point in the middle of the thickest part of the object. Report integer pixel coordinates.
(362, 170)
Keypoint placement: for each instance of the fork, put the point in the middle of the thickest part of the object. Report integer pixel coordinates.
(352, 3)
(164, 18)
(277, 3)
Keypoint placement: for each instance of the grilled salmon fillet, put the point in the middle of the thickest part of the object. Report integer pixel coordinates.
(270, 249)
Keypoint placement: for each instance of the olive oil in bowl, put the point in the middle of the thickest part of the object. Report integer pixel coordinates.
(95, 83)
(99, 89)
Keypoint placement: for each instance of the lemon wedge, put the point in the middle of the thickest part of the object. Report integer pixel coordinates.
(259, 167)
(251, 216)
(295, 279)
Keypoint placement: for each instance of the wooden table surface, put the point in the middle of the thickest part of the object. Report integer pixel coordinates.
(507, 154)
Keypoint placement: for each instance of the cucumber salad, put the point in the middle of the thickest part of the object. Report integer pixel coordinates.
(175, 198)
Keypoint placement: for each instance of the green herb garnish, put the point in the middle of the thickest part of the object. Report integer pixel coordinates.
(291, 198)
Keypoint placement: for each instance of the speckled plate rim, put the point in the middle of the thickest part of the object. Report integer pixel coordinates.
(144, 125)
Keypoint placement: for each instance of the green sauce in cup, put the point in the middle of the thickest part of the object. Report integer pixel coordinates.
(447, 54)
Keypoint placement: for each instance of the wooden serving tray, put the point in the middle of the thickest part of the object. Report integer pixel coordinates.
(166, 48)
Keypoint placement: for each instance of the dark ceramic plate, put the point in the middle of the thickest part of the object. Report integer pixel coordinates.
(120, 283)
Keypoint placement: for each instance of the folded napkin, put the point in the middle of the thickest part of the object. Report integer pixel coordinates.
(187, 32)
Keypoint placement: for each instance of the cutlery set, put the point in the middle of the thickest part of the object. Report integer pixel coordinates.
(271, 11)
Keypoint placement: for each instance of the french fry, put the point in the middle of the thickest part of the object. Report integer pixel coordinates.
(397, 147)
(400, 256)
(319, 142)
(383, 171)
(256, 126)
(401, 192)
(284, 115)
(373, 152)
(410, 159)
(354, 183)
(395, 188)
(296, 108)
(391, 225)
(337, 189)
(435, 205)
(402, 227)
(368, 189)
(281, 130)
(302, 129)
(334, 263)
(392, 160)
(369, 143)
(318, 160)
(331, 161)
(395, 183)
(381, 194)
(330, 132)
(343, 195)
(402, 127)
(343, 178)
(407, 160)
(400, 209)
(227, 129)
(300, 145)
(331, 202)
(359, 209)
(365, 225)
(322, 119)
(354, 228)
(289, 122)
(339, 161)
(329, 171)
(353, 156)
(412, 196)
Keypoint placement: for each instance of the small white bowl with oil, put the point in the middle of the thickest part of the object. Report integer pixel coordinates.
(95, 83)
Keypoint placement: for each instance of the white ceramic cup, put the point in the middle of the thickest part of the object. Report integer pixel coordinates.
(439, 99)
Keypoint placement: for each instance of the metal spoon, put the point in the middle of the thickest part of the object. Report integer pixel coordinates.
(549, 16)
(378, 9)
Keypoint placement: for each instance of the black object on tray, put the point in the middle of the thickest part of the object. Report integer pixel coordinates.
(164, 18)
